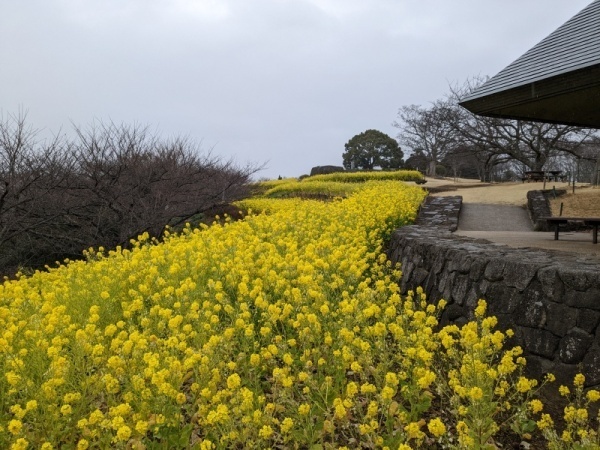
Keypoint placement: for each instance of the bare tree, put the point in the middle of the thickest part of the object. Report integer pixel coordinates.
(105, 187)
(428, 130)
(531, 143)
(31, 174)
(128, 181)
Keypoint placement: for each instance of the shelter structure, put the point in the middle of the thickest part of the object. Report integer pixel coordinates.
(557, 81)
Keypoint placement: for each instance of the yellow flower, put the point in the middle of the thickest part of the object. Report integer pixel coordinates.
(545, 422)
(524, 385)
(123, 433)
(18, 412)
(286, 425)
(436, 427)
(413, 431)
(391, 379)
(31, 405)
(234, 381)
(476, 393)
(265, 432)
(480, 309)
(351, 389)
(339, 409)
(15, 426)
(536, 406)
(425, 381)
(593, 395)
(579, 380)
(20, 444)
(206, 445)
(304, 409)
(387, 393)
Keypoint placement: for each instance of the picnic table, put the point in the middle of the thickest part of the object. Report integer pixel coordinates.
(534, 175)
(591, 221)
(540, 175)
(556, 175)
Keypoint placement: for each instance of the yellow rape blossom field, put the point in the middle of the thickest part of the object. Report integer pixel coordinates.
(282, 330)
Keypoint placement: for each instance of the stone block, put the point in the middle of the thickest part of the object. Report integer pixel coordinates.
(551, 283)
(417, 259)
(438, 263)
(482, 287)
(434, 296)
(588, 320)
(564, 374)
(430, 283)
(447, 284)
(574, 279)
(419, 276)
(561, 318)
(537, 341)
(518, 275)
(534, 291)
(589, 299)
(494, 269)
(407, 269)
(574, 346)
(531, 314)
(537, 367)
(477, 268)
(464, 263)
(591, 366)
(460, 287)
(453, 257)
(502, 299)
(470, 304)
(453, 312)
(594, 279)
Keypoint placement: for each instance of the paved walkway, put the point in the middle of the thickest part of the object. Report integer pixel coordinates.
(510, 225)
(487, 217)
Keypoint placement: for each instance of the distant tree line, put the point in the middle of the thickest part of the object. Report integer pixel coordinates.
(444, 137)
(104, 187)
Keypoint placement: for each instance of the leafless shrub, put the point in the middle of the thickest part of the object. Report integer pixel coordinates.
(105, 187)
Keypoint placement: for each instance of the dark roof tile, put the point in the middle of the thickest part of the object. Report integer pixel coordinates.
(574, 45)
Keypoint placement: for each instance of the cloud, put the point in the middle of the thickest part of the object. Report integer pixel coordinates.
(289, 81)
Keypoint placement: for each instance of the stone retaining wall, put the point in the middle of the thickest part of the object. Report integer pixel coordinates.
(550, 299)
(538, 204)
(442, 212)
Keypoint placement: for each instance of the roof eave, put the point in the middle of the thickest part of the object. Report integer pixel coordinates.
(571, 98)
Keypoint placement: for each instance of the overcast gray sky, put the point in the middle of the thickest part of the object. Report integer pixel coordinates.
(285, 82)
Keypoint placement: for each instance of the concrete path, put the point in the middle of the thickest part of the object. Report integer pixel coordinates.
(510, 225)
(488, 217)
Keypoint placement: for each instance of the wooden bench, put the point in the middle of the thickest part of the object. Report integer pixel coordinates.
(557, 221)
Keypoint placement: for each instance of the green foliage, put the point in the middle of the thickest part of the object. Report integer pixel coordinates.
(364, 176)
(272, 183)
(317, 189)
(370, 149)
(338, 184)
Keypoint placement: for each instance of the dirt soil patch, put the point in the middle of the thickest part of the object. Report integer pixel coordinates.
(584, 203)
(473, 191)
